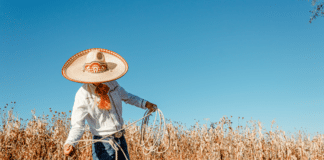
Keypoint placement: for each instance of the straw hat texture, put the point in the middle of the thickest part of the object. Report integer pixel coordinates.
(95, 65)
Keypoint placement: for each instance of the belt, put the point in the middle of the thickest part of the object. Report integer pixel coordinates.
(116, 135)
(119, 134)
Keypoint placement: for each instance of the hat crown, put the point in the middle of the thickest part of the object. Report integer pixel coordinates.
(95, 56)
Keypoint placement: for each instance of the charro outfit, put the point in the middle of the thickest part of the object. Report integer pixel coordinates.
(103, 66)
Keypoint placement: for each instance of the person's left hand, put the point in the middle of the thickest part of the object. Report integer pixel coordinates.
(152, 107)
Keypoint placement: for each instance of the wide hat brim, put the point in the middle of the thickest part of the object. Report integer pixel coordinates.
(73, 69)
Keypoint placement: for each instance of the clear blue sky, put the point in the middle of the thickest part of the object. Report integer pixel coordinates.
(195, 59)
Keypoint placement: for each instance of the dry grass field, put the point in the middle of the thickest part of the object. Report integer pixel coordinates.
(43, 137)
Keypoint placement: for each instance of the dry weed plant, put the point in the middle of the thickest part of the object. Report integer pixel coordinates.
(43, 138)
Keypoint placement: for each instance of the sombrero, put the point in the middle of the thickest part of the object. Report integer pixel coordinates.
(95, 65)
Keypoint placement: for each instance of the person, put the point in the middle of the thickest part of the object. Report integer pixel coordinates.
(99, 101)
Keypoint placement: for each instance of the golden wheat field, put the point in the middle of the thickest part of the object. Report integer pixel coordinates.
(42, 137)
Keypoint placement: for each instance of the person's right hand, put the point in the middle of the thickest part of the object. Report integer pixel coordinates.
(68, 149)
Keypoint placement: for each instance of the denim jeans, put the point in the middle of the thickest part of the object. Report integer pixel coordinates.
(104, 151)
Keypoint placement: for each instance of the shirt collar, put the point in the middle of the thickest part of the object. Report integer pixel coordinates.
(106, 83)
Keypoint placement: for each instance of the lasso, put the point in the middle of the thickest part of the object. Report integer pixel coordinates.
(157, 136)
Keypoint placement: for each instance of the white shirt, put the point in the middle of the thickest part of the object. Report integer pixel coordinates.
(101, 122)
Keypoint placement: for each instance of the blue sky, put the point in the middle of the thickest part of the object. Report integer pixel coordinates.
(260, 60)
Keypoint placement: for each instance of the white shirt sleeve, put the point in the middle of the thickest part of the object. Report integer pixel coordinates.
(131, 99)
(79, 114)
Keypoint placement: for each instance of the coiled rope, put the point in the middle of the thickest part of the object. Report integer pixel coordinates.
(156, 133)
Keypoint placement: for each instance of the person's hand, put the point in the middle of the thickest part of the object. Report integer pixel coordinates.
(152, 107)
(68, 149)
